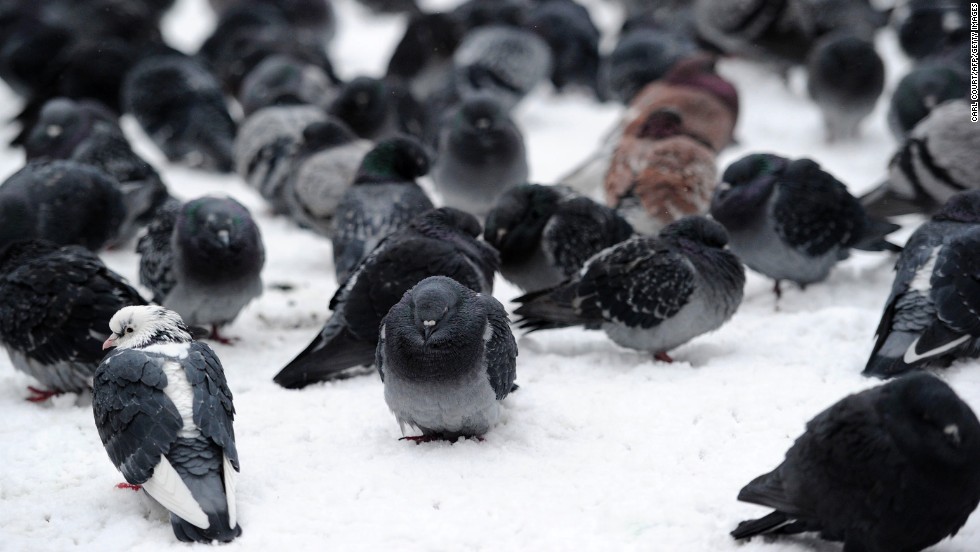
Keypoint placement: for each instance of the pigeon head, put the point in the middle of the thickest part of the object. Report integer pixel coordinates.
(515, 224)
(746, 186)
(435, 220)
(920, 91)
(698, 71)
(323, 135)
(662, 123)
(481, 116)
(962, 207)
(697, 229)
(138, 326)
(435, 301)
(362, 104)
(398, 159)
(61, 127)
(218, 233)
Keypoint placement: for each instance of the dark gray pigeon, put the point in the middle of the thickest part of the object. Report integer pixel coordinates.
(545, 234)
(61, 201)
(440, 242)
(936, 161)
(895, 468)
(920, 91)
(648, 293)
(567, 28)
(164, 413)
(928, 28)
(285, 80)
(382, 198)
(55, 304)
(480, 155)
(423, 57)
(503, 62)
(791, 220)
(268, 141)
(640, 57)
(930, 317)
(203, 259)
(180, 105)
(375, 109)
(845, 77)
(446, 356)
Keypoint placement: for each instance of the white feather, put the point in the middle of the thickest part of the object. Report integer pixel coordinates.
(167, 488)
(231, 481)
(912, 357)
(922, 281)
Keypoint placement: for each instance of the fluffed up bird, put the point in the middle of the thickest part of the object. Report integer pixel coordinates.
(423, 58)
(285, 80)
(931, 316)
(641, 56)
(573, 38)
(791, 220)
(203, 259)
(164, 413)
(648, 293)
(446, 356)
(376, 109)
(920, 91)
(845, 77)
(892, 468)
(545, 234)
(503, 62)
(440, 242)
(55, 304)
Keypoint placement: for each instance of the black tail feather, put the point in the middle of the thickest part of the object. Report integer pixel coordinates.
(884, 367)
(327, 359)
(775, 523)
(548, 309)
(874, 236)
(882, 202)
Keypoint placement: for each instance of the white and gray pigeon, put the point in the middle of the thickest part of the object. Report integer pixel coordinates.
(383, 198)
(447, 357)
(55, 304)
(545, 234)
(164, 413)
(481, 155)
(501, 61)
(931, 316)
(648, 293)
(440, 242)
(203, 259)
(936, 161)
(791, 220)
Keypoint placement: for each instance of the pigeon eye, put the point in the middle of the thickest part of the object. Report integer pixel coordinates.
(129, 330)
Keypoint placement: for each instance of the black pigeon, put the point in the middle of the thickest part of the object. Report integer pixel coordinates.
(383, 198)
(927, 28)
(501, 61)
(55, 306)
(446, 356)
(545, 234)
(791, 220)
(375, 109)
(640, 57)
(895, 468)
(180, 105)
(423, 57)
(203, 259)
(920, 91)
(164, 413)
(481, 13)
(574, 41)
(440, 242)
(845, 77)
(61, 201)
(391, 6)
(930, 317)
(647, 293)
(285, 80)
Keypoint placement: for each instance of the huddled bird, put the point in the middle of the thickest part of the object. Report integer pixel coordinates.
(573, 38)
(920, 91)
(501, 61)
(377, 109)
(285, 80)
(845, 77)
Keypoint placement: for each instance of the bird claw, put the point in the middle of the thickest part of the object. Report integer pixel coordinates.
(216, 336)
(663, 357)
(129, 486)
(41, 395)
(419, 439)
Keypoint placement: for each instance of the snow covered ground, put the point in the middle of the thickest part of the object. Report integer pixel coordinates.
(601, 449)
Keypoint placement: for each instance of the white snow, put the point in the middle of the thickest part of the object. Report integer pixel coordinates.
(601, 448)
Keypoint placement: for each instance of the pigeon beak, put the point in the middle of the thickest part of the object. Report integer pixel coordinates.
(952, 431)
(109, 343)
(223, 237)
(501, 233)
(428, 326)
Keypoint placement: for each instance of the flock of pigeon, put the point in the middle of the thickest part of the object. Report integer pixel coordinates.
(893, 468)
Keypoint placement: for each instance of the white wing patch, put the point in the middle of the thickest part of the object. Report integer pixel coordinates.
(179, 391)
(167, 488)
(922, 281)
(912, 357)
(231, 481)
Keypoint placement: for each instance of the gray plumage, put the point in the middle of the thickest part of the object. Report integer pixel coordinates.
(930, 318)
(377, 109)
(265, 147)
(640, 57)
(164, 412)
(648, 293)
(845, 78)
(285, 80)
(504, 62)
(920, 91)
(895, 468)
(446, 356)
(481, 155)
(573, 38)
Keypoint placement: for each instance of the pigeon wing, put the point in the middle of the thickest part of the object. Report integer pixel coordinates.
(814, 212)
(501, 348)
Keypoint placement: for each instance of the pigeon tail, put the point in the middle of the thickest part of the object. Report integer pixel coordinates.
(775, 523)
(883, 202)
(329, 357)
(887, 360)
(209, 476)
(551, 308)
(873, 238)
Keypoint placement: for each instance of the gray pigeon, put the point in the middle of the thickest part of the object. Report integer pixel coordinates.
(266, 144)
(440, 242)
(545, 234)
(504, 62)
(567, 28)
(920, 91)
(376, 109)
(648, 293)
(845, 77)
(285, 80)
(446, 356)
(791, 220)
(203, 259)
(382, 198)
(895, 468)
(55, 304)
(930, 317)
(936, 161)
(481, 155)
(164, 413)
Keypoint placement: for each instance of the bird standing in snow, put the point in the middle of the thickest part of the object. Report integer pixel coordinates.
(845, 77)
(446, 356)
(164, 413)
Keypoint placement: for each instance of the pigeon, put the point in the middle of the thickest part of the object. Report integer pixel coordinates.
(383, 198)
(792, 220)
(61, 201)
(545, 234)
(268, 141)
(423, 58)
(312, 19)
(164, 413)
(481, 154)
(391, 6)
(285, 80)
(375, 109)
(574, 41)
(920, 91)
(641, 57)
(930, 317)
(321, 171)
(845, 77)
(440, 242)
(647, 293)
(503, 62)
(181, 107)
(55, 303)
(929, 27)
(472, 14)
(203, 260)
(892, 468)
(935, 162)
(446, 356)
